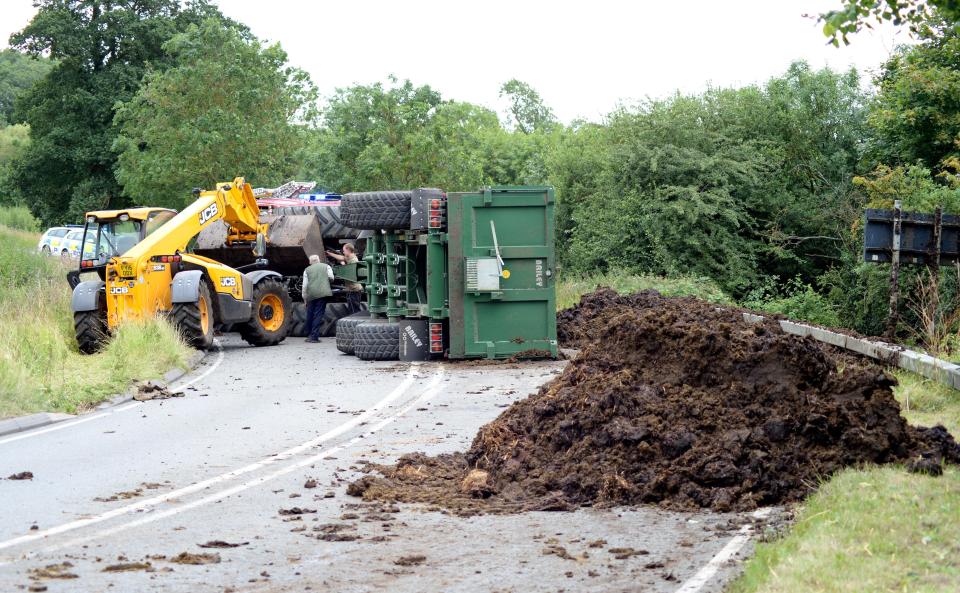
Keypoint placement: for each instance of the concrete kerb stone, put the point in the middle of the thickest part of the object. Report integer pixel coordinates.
(21, 423)
(797, 329)
(917, 362)
(865, 347)
(31, 421)
(828, 337)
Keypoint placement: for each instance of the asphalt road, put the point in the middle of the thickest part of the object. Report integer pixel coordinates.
(135, 486)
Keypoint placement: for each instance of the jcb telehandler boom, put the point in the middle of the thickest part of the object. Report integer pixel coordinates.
(147, 271)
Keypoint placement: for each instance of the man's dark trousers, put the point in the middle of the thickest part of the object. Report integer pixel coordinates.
(353, 301)
(315, 310)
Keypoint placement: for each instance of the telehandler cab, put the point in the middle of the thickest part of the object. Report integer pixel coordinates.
(144, 267)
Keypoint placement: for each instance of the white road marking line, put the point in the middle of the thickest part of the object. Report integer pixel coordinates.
(709, 570)
(124, 407)
(68, 423)
(212, 368)
(432, 388)
(150, 502)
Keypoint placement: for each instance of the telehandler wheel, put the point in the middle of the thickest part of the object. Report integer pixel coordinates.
(91, 330)
(194, 321)
(271, 315)
(347, 330)
(376, 210)
(377, 339)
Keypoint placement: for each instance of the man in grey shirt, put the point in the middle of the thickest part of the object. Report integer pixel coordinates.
(316, 291)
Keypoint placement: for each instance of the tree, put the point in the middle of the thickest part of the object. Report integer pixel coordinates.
(101, 49)
(18, 73)
(858, 14)
(527, 110)
(672, 198)
(226, 107)
(365, 140)
(916, 114)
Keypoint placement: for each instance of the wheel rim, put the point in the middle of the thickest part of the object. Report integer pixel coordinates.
(204, 315)
(270, 312)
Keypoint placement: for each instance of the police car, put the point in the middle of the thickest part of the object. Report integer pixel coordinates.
(56, 242)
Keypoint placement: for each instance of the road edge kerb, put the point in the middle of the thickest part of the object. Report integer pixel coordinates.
(930, 367)
(40, 419)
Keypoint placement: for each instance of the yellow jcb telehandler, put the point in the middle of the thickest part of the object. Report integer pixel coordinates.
(145, 268)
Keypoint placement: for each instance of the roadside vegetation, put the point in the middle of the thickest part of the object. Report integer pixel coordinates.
(878, 529)
(570, 289)
(40, 367)
(750, 195)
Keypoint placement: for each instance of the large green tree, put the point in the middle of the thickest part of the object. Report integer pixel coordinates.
(916, 115)
(855, 15)
(735, 184)
(101, 49)
(227, 106)
(528, 112)
(18, 73)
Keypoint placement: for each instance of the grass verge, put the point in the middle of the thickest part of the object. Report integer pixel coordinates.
(570, 289)
(40, 367)
(873, 529)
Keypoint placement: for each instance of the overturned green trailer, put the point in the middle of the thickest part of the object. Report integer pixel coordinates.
(458, 275)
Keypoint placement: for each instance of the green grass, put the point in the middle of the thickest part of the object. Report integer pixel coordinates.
(869, 530)
(570, 289)
(873, 529)
(40, 367)
(20, 218)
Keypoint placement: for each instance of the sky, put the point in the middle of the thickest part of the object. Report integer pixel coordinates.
(584, 57)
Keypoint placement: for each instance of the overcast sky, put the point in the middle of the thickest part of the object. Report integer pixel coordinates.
(583, 57)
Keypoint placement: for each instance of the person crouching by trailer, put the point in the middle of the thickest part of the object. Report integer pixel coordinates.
(316, 291)
(353, 290)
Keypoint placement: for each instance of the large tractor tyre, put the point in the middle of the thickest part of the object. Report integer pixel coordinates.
(347, 330)
(331, 314)
(91, 330)
(376, 210)
(270, 317)
(195, 321)
(298, 320)
(377, 340)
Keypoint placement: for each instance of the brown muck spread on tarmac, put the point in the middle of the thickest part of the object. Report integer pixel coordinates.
(676, 402)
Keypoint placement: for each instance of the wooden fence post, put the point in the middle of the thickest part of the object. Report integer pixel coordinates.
(893, 312)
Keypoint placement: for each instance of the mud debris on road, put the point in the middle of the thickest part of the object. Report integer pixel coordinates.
(128, 567)
(675, 402)
(412, 560)
(219, 543)
(151, 390)
(62, 570)
(195, 559)
(21, 476)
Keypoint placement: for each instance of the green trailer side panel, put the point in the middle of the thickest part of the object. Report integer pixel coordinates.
(499, 317)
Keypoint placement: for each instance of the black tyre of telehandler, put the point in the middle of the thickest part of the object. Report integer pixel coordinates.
(377, 339)
(271, 315)
(195, 321)
(376, 210)
(91, 330)
(347, 329)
